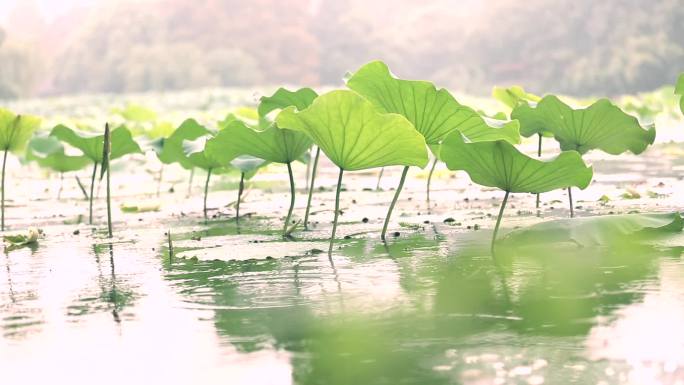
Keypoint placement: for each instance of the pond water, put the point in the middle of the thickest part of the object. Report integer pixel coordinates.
(433, 306)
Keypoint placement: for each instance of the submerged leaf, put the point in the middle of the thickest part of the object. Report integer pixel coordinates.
(16, 130)
(599, 230)
(500, 164)
(601, 126)
(48, 152)
(433, 112)
(355, 135)
(122, 142)
(273, 144)
(283, 98)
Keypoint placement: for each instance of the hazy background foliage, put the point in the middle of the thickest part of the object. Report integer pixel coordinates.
(578, 47)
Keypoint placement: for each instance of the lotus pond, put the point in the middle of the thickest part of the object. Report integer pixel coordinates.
(189, 260)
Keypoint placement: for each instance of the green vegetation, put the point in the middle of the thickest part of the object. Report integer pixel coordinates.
(601, 126)
(15, 132)
(499, 164)
(433, 112)
(92, 147)
(355, 136)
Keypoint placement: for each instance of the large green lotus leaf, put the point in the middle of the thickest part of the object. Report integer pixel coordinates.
(15, 131)
(122, 142)
(283, 98)
(679, 90)
(196, 152)
(433, 112)
(172, 147)
(514, 96)
(601, 126)
(603, 230)
(273, 144)
(48, 152)
(500, 164)
(355, 135)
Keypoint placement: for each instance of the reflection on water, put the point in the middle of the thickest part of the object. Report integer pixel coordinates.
(425, 309)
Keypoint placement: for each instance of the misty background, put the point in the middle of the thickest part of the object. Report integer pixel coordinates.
(577, 47)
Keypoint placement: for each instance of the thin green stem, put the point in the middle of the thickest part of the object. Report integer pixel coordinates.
(92, 190)
(429, 179)
(394, 202)
(377, 186)
(80, 185)
(311, 188)
(159, 179)
(2, 209)
(337, 212)
(539, 153)
(241, 187)
(292, 198)
(109, 205)
(192, 175)
(206, 192)
(61, 185)
(498, 220)
(572, 209)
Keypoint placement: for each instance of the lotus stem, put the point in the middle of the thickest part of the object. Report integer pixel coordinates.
(292, 198)
(539, 153)
(429, 179)
(377, 185)
(308, 170)
(109, 203)
(159, 179)
(168, 233)
(337, 212)
(61, 186)
(80, 185)
(498, 220)
(311, 188)
(206, 192)
(106, 163)
(92, 190)
(2, 200)
(241, 187)
(394, 202)
(572, 209)
(192, 174)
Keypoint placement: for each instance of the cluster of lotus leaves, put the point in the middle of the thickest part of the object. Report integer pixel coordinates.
(499, 164)
(433, 112)
(121, 142)
(601, 126)
(354, 134)
(15, 130)
(269, 142)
